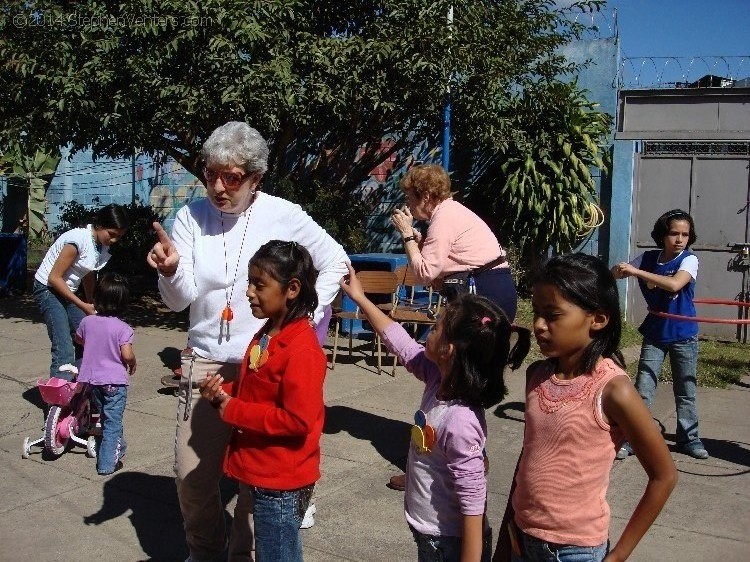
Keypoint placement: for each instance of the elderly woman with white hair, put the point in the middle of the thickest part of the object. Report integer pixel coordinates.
(204, 265)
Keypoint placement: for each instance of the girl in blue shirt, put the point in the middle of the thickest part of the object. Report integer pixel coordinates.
(667, 280)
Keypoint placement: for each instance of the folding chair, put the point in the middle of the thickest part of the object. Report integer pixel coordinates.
(409, 310)
(373, 283)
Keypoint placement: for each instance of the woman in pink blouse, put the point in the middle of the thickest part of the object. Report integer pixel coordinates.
(457, 240)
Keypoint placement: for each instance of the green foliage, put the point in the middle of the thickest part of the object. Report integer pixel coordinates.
(541, 188)
(321, 79)
(129, 254)
(341, 213)
(31, 168)
(720, 363)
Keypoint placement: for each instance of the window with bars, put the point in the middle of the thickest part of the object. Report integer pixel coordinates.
(717, 148)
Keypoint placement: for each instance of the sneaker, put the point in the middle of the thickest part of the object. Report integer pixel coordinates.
(309, 519)
(625, 451)
(696, 451)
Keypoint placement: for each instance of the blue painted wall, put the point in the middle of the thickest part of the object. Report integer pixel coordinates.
(599, 79)
(167, 187)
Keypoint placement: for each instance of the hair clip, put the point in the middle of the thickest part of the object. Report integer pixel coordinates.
(674, 213)
(486, 320)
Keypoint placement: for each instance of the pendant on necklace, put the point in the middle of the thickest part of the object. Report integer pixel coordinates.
(226, 317)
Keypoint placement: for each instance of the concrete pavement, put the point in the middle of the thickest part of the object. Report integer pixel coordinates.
(55, 510)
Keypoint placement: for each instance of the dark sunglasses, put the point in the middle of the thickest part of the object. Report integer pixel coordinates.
(230, 180)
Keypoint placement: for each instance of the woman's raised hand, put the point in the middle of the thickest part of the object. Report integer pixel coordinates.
(402, 220)
(163, 256)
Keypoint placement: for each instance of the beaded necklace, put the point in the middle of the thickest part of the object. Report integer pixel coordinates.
(227, 315)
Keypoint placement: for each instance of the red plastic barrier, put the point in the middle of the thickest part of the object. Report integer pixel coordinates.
(703, 318)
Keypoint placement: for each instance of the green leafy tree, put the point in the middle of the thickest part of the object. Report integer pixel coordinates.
(540, 190)
(324, 80)
(28, 175)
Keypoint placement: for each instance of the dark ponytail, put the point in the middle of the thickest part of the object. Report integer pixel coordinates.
(480, 334)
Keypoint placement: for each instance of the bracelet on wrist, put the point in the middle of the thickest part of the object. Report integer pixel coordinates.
(409, 239)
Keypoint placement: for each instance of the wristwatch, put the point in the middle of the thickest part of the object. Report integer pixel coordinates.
(409, 238)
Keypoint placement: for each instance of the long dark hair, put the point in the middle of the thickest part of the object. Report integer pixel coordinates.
(111, 216)
(285, 261)
(587, 282)
(480, 333)
(111, 295)
(663, 223)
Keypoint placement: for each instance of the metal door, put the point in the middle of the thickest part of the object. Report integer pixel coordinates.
(715, 190)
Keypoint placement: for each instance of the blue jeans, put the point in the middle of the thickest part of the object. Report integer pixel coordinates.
(435, 548)
(278, 515)
(683, 357)
(110, 446)
(62, 318)
(536, 550)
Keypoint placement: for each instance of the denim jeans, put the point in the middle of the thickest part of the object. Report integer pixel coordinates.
(435, 548)
(683, 357)
(536, 550)
(62, 318)
(278, 515)
(498, 286)
(110, 446)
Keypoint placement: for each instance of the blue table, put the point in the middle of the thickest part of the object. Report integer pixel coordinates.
(369, 262)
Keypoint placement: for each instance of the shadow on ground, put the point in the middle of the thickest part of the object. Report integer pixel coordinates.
(390, 438)
(735, 452)
(502, 411)
(154, 512)
(146, 311)
(170, 357)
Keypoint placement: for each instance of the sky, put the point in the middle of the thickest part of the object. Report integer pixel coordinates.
(683, 28)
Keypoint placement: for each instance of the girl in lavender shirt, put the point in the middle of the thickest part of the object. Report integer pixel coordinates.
(462, 366)
(108, 361)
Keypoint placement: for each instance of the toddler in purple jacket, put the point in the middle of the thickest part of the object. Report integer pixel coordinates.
(107, 364)
(462, 365)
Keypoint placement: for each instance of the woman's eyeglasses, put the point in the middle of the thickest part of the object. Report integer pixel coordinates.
(230, 180)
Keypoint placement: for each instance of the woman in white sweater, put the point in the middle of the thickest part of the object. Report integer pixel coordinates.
(204, 265)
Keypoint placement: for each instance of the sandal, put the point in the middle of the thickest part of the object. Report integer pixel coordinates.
(397, 482)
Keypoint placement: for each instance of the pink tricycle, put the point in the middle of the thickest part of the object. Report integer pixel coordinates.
(70, 416)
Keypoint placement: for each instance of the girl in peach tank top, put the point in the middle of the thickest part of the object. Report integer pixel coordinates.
(580, 406)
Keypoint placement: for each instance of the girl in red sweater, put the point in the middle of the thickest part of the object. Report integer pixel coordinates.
(276, 406)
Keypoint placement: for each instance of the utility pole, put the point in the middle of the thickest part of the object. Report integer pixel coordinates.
(447, 109)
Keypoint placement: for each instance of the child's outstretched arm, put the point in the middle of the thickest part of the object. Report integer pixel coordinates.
(671, 283)
(624, 407)
(378, 319)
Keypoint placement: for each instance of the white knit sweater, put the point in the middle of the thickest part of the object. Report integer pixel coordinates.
(202, 281)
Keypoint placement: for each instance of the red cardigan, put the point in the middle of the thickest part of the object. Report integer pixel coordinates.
(277, 413)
